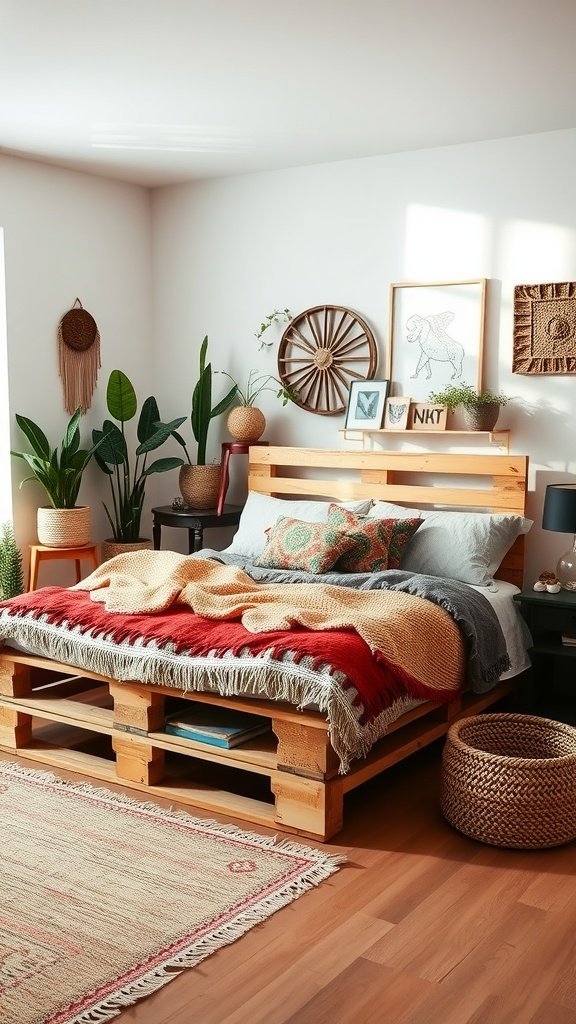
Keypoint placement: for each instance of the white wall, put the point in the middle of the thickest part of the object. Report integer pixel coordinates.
(227, 251)
(67, 235)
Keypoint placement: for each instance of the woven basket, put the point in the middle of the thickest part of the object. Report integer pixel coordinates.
(63, 527)
(246, 423)
(510, 780)
(481, 417)
(200, 485)
(111, 548)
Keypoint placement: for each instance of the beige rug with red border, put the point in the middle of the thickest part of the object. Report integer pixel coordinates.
(105, 899)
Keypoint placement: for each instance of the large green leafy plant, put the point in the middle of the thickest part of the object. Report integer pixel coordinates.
(59, 470)
(202, 410)
(128, 477)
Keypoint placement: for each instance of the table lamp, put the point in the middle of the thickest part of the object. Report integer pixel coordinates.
(560, 515)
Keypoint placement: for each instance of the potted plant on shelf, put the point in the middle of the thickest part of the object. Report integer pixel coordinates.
(127, 479)
(59, 470)
(481, 408)
(245, 421)
(200, 481)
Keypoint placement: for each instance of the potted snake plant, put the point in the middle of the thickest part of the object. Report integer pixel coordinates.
(200, 481)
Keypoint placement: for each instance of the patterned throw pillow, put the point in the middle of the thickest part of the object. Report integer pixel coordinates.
(379, 543)
(313, 547)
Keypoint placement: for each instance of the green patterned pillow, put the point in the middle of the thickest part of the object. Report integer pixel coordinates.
(379, 543)
(313, 547)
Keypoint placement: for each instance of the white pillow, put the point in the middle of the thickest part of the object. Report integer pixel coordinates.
(466, 546)
(261, 511)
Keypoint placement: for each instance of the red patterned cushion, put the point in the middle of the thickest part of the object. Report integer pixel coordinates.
(379, 543)
(313, 547)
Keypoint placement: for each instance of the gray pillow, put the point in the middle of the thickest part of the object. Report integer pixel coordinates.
(465, 546)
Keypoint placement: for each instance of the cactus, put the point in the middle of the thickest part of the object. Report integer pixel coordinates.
(11, 574)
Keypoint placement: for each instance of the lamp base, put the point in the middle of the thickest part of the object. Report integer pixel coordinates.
(566, 570)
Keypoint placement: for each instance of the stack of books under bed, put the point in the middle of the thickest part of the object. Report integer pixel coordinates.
(220, 727)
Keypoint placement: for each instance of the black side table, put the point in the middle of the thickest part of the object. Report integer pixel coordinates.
(550, 617)
(195, 520)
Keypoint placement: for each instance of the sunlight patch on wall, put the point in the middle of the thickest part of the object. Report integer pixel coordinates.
(445, 245)
(5, 468)
(538, 252)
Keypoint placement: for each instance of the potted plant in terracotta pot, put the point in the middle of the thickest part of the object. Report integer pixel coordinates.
(128, 477)
(59, 470)
(245, 421)
(481, 408)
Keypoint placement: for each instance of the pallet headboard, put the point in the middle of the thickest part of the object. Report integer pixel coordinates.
(482, 483)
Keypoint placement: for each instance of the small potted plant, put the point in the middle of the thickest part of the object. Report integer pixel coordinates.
(128, 479)
(59, 470)
(481, 408)
(245, 421)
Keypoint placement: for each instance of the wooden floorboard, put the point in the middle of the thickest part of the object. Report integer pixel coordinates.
(421, 926)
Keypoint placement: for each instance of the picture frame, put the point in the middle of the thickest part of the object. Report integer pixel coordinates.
(544, 328)
(397, 409)
(436, 336)
(366, 403)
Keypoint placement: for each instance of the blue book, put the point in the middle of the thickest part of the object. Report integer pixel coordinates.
(217, 726)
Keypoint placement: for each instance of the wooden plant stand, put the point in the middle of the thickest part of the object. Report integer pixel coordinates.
(306, 792)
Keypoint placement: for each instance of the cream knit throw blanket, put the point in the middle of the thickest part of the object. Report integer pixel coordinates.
(407, 630)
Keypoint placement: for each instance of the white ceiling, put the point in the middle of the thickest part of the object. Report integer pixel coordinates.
(164, 91)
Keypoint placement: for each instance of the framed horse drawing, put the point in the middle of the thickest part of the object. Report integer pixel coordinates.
(436, 336)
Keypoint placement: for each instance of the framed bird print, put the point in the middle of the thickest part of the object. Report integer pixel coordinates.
(366, 404)
(436, 336)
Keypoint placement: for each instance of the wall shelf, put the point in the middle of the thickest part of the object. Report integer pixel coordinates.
(496, 438)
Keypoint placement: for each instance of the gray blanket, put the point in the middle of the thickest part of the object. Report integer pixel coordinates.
(487, 656)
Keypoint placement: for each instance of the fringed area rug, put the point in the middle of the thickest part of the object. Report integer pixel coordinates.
(105, 899)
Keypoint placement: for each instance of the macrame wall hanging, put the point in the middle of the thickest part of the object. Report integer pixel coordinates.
(78, 357)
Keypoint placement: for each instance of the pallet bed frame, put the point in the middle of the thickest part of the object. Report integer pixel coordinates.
(298, 760)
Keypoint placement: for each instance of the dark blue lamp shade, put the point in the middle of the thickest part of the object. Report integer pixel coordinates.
(560, 508)
(560, 515)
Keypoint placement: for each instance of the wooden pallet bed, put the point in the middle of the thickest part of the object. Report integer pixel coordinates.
(63, 716)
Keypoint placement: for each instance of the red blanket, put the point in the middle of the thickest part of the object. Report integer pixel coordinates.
(378, 682)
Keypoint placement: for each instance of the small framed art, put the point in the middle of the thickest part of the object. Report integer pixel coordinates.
(397, 409)
(366, 403)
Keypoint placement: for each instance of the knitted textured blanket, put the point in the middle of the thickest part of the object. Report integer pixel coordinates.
(405, 630)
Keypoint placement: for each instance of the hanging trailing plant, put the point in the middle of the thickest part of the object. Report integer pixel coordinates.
(277, 316)
(11, 572)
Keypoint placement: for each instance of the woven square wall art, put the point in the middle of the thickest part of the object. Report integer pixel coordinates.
(545, 328)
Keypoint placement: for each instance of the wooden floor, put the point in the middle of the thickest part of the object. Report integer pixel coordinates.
(422, 926)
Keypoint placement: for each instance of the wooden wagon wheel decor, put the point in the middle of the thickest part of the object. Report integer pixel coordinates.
(321, 352)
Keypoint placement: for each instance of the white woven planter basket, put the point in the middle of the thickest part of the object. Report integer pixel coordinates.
(64, 527)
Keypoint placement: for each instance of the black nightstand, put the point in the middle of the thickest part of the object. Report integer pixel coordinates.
(548, 616)
(195, 520)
